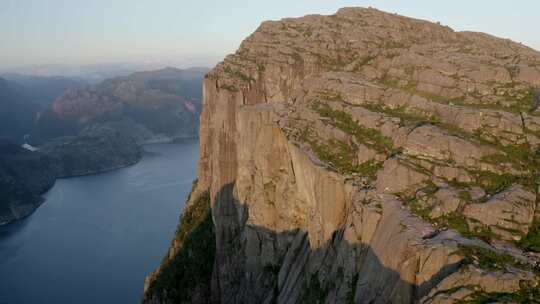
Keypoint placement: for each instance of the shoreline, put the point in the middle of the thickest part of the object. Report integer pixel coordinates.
(43, 200)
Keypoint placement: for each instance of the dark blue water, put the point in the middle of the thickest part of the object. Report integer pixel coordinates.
(96, 237)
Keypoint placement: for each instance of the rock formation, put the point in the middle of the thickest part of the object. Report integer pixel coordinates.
(91, 130)
(97, 149)
(43, 90)
(366, 157)
(158, 105)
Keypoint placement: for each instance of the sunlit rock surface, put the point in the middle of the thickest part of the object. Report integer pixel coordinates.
(366, 157)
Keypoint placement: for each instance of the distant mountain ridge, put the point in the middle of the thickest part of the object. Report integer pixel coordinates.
(17, 112)
(88, 129)
(165, 102)
(43, 90)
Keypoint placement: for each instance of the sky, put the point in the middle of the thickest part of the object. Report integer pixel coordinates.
(202, 32)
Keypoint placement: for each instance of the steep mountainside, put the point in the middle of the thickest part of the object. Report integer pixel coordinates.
(365, 157)
(41, 90)
(24, 176)
(166, 103)
(91, 130)
(96, 149)
(17, 112)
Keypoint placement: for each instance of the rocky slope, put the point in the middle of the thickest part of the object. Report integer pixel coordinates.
(97, 149)
(41, 90)
(164, 103)
(365, 157)
(24, 176)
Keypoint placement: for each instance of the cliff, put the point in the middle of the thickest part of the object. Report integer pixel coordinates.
(366, 157)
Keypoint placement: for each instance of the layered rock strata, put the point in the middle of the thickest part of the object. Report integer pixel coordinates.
(366, 157)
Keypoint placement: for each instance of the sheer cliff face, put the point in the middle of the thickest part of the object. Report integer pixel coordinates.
(366, 157)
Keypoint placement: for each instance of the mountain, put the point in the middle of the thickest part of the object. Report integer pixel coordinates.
(40, 90)
(96, 73)
(96, 149)
(93, 73)
(17, 112)
(166, 103)
(89, 130)
(363, 157)
(24, 100)
(24, 176)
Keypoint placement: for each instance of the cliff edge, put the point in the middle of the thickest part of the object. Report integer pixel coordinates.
(365, 157)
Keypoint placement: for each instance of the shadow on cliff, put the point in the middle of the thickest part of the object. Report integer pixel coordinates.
(254, 264)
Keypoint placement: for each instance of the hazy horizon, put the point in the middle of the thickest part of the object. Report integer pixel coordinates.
(150, 35)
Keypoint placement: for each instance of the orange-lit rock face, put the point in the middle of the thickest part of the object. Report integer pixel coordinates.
(356, 158)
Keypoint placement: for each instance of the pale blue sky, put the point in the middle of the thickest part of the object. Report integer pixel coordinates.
(99, 31)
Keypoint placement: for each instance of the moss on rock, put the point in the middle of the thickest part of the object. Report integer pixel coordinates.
(188, 273)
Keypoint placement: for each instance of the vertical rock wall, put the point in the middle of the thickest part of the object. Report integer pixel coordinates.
(366, 157)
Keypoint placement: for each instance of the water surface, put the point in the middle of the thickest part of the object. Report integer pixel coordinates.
(96, 237)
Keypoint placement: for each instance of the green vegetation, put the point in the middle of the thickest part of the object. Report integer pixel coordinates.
(488, 259)
(229, 87)
(330, 95)
(528, 295)
(453, 220)
(531, 241)
(308, 33)
(457, 222)
(341, 156)
(392, 45)
(365, 61)
(524, 100)
(315, 291)
(519, 156)
(417, 208)
(238, 74)
(338, 154)
(345, 122)
(352, 289)
(465, 196)
(191, 267)
(407, 117)
(493, 182)
(273, 271)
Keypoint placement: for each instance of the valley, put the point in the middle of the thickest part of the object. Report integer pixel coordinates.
(89, 130)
